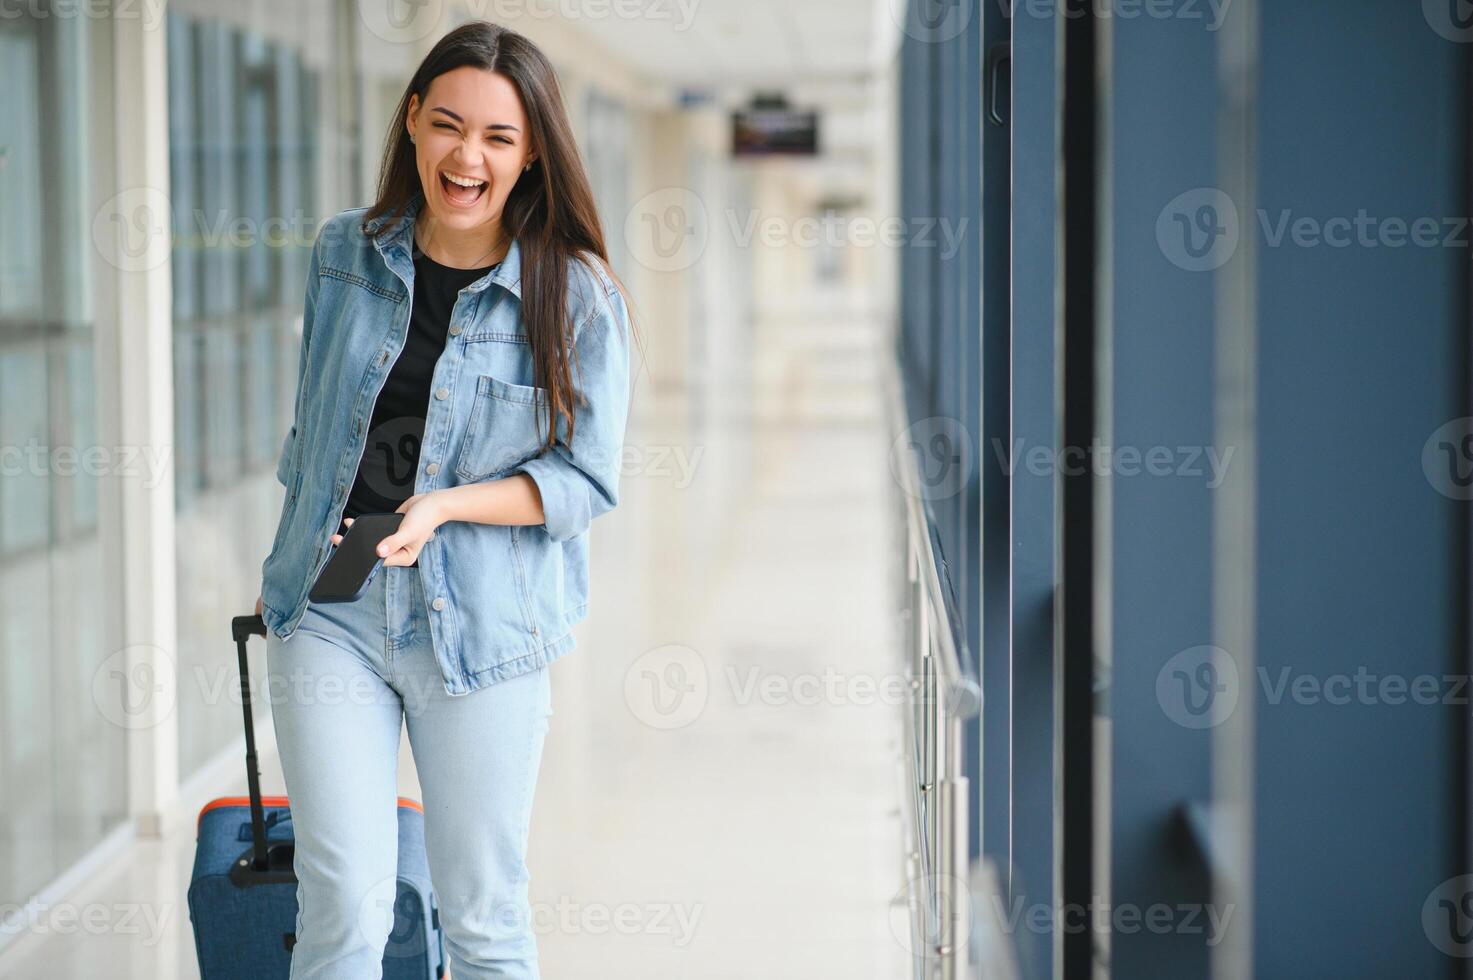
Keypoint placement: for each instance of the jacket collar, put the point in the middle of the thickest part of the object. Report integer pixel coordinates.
(400, 237)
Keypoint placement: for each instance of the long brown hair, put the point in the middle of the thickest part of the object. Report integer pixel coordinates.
(550, 211)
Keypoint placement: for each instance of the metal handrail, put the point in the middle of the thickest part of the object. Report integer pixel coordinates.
(956, 653)
(945, 693)
(958, 666)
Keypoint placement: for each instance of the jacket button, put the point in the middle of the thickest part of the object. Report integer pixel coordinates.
(439, 602)
(442, 393)
(455, 330)
(432, 469)
(534, 631)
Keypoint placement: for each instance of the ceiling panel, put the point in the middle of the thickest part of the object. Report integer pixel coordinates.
(746, 42)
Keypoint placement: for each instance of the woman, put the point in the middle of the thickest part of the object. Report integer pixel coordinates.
(465, 362)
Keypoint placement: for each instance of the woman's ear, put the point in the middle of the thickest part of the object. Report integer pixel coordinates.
(411, 113)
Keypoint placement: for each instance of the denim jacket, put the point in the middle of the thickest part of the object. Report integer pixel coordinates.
(502, 599)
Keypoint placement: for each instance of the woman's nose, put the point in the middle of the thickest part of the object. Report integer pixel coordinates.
(468, 153)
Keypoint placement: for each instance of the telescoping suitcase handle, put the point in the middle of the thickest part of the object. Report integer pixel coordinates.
(263, 864)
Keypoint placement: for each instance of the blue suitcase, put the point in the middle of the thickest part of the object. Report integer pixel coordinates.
(243, 894)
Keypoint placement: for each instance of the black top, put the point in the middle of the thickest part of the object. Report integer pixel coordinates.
(386, 472)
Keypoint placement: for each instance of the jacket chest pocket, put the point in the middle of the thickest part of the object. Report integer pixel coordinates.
(507, 427)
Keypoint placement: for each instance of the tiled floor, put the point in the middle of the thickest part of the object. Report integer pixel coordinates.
(718, 797)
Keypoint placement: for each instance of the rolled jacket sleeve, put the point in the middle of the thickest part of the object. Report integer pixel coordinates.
(309, 312)
(579, 482)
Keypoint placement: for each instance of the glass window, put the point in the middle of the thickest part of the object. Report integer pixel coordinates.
(62, 761)
(244, 151)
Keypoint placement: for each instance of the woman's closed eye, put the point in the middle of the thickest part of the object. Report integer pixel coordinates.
(492, 139)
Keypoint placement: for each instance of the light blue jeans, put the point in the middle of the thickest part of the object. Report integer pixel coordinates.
(339, 688)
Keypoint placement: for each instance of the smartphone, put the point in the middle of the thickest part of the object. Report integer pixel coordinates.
(351, 568)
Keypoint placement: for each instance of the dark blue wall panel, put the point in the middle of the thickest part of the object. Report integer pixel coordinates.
(1362, 109)
(1033, 118)
(993, 401)
(1163, 148)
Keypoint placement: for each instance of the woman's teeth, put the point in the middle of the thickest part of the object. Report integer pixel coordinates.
(461, 191)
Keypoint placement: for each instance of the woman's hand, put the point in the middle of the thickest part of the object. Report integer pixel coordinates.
(422, 515)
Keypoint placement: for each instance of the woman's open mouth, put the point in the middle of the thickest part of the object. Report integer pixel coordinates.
(461, 191)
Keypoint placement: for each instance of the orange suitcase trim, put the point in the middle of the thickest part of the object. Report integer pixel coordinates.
(275, 801)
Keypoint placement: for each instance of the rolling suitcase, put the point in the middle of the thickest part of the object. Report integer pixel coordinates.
(243, 894)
